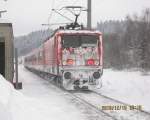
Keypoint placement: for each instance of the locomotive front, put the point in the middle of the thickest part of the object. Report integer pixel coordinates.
(80, 59)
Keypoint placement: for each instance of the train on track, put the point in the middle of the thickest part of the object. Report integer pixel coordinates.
(73, 57)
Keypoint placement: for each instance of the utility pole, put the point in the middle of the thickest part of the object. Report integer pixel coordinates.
(89, 14)
(17, 85)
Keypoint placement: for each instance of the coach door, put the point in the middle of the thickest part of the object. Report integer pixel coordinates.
(2, 56)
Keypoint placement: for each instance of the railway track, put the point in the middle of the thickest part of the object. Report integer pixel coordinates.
(118, 101)
(104, 115)
(94, 101)
(97, 100)
(98, 113)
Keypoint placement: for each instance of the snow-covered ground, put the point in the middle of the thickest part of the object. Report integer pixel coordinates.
(38, 100)
(127, 86)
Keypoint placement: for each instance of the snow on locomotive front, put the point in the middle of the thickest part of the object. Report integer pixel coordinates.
(79, 56)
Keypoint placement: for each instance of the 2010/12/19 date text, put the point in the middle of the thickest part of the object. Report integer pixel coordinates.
(121, 107)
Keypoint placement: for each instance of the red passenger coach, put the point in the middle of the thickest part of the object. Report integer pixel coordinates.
(74, 57)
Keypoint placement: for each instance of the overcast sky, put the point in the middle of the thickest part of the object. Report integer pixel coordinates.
(28, 15)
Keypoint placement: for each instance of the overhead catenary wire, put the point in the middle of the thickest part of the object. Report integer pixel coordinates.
(52, 7)
(57, 7)
(45, 33)
(63, 15)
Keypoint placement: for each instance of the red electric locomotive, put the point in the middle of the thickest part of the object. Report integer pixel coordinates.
(74, 57)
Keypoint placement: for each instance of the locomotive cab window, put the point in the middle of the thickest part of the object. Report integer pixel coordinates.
(79, 41)
(80, 49)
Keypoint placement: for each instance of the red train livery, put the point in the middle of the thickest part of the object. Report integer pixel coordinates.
(73, 57)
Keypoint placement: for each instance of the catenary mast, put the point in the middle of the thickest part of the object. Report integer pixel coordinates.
(89, 14)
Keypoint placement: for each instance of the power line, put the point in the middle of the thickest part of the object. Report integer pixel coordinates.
(50, 16)
(59, 3)
(62, 15)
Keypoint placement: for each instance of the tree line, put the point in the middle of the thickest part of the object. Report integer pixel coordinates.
(127, 42)
(27, 43)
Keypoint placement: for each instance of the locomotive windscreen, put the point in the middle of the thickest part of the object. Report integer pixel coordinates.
(79, 40)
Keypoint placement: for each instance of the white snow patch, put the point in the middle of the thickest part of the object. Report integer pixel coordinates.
(5, 93)
(4, 21)
(14, 105)
(127, 86)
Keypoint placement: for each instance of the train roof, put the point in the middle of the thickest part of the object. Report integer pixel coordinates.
(67, 31)
(78, 31)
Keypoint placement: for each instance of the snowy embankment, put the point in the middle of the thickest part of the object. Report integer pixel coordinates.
(127, 86)
(14, 105)
(5, 93)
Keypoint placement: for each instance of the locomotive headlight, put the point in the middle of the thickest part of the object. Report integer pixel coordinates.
(96, 62)
(67, 75)
(96, 75)
(64, 62)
